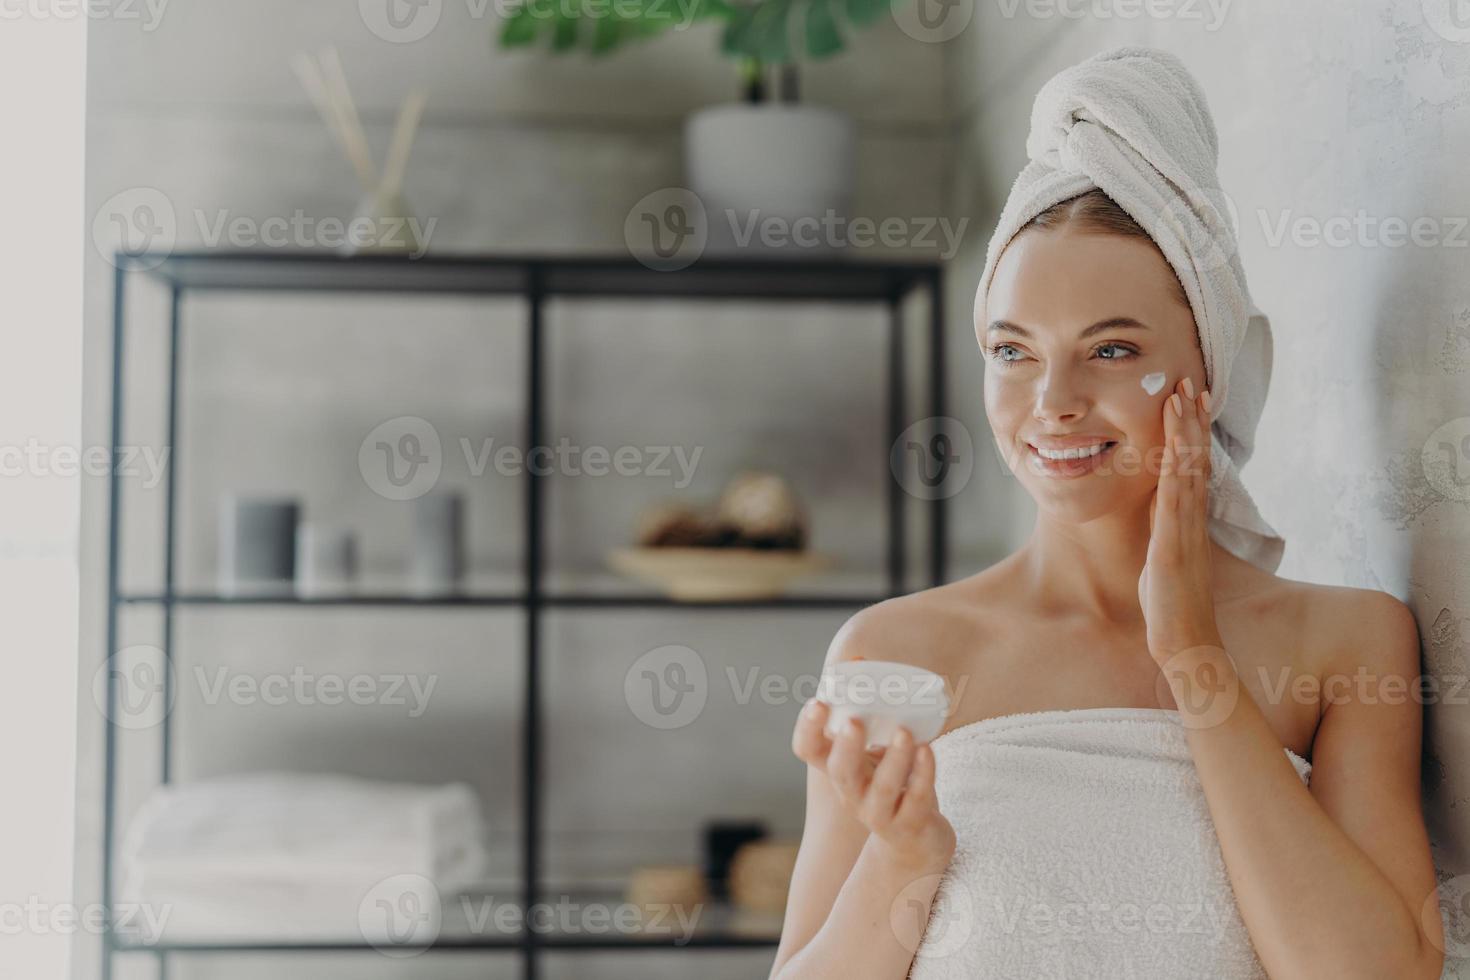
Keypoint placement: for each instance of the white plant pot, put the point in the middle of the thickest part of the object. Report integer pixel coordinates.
(761, 168)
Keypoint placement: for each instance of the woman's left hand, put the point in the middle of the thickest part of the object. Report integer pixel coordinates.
(1175, 587)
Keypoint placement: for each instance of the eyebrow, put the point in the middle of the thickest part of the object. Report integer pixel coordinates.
(1112, 322)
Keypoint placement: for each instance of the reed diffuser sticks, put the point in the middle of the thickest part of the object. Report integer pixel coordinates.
(326, 85)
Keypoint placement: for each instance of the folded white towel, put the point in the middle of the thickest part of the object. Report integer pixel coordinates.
(1086, 849)
(293, 854)
(283, 910)
(305, 826)
(1134, 122)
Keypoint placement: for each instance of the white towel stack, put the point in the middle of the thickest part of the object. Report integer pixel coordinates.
(293, 856)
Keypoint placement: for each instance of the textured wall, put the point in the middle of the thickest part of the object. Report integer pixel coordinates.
(1344, 127)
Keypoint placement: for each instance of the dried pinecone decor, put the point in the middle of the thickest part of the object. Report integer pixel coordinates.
(757, 509)
(764, 511)
(673, 524)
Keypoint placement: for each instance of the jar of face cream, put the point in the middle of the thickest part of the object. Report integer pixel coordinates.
(883, 695)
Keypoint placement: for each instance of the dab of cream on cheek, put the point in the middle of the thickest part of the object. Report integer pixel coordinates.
(1153, 383)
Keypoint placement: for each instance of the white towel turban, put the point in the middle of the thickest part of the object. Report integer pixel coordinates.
(1134, 122)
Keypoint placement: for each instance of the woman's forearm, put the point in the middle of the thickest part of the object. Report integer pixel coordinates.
(875, 924)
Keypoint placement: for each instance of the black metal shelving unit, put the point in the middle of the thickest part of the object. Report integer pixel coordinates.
(535, 278)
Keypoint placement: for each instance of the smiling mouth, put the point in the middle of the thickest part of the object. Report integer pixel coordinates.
(1070, 462)
(1076, 452)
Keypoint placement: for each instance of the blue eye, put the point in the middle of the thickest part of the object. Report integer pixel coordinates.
(1127, 352)
(994, 353)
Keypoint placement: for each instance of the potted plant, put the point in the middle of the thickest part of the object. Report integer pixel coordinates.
(758, 163)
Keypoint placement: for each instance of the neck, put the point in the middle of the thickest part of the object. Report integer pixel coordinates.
(1089, 569)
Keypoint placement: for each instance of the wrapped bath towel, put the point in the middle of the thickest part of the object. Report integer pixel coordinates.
(1086, 850)
(1134, 122)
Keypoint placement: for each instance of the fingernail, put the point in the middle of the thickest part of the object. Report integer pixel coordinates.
(1205, 399)
(1177, 405)
(852, 726)
(1188, 388)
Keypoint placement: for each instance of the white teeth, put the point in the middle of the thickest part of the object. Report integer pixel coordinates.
(1078, 453)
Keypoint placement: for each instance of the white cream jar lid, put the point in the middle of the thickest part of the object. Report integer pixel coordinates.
(884, 694)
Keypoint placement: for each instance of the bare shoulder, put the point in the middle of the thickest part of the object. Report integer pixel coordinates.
(1343, 630)
(930, 628)
(1362, 629)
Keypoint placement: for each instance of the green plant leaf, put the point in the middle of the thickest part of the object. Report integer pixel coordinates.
(520, 29)
(862, 12)
(736, 40)
(648, 26)
(607, 33)
(768, 31)
(755, 29)
(705, 9)
(564, 33)
(822, 37)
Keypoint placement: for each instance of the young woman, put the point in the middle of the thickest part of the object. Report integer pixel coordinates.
(1121, 603)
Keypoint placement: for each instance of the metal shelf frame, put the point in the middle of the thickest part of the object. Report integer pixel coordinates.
(535, 278)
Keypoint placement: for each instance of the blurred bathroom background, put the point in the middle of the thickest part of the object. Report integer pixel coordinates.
(202, 136)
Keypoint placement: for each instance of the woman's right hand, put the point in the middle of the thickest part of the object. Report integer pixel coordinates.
(889, 790)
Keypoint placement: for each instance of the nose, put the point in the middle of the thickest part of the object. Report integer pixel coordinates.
(1060, 397)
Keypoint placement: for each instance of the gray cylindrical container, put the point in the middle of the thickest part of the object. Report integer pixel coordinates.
(326, 557)
(257, 541)
(438, 541)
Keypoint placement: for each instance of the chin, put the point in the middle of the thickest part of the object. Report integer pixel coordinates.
(1080, 501)
(1073, 508)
